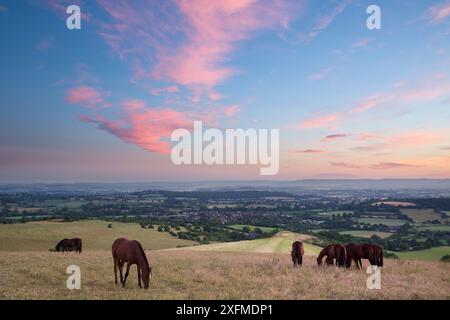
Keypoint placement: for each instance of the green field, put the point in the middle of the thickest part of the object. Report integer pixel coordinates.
(41, 236)
(388, 222)
(422, 215)
(366, 233)
(280, 243)
(336, 213)
(435, 228)
(432, 254)
(239, 227)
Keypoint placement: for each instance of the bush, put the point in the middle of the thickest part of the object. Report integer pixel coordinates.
(446, 258)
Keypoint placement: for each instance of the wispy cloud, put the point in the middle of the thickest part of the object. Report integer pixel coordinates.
(3, 8)
(345, 165)
(169, 89)
(312, 151)
(324, 73)
(323, 22)
(438, 13)
(320, 121)
(86, 96)
(334, 137)
(392, 165)
(44, 44)
(360, 43)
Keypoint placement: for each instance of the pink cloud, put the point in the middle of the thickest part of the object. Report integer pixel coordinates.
(147, 128)
(334, 137)
(44, 44)
(231, 111)
(169, 89)
(210, 31)
(327, 121)
(439, 13)
(360, 43)
(86, 96)
(392, 165)
(310, 151)
(345, 165)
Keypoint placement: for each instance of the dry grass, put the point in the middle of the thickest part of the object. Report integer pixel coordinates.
(186, 274)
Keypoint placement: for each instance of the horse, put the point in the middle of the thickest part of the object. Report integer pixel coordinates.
(356, 252)
(297, 253)
(340, 254)
(327, 251)
(131, 252)
(74, 244)
(377, 255)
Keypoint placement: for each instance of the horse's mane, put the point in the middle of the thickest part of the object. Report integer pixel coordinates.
(143, 253)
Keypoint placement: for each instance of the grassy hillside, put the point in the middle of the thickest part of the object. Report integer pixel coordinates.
(366, 234)
(428, 254)
(41, 236)
(280, 243)
(186, 274)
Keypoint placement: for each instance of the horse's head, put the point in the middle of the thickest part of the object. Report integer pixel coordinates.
(146, 276)
(319, 261)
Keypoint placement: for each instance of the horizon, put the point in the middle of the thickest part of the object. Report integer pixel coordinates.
(99, 104)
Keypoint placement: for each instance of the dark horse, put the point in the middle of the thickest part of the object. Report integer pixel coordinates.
(297, 253)
(74, 244)
(131, 252)
(340, 254)
(356, 252)
(333, 251)
(327, 251)
(377, 255)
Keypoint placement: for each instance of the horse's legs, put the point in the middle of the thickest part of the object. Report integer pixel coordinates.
(120, 265)
(360, 264)
(126, 274)
(300, 260)
(115, 270)
(139, 275)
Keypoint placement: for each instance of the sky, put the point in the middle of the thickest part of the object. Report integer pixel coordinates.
(100, 103)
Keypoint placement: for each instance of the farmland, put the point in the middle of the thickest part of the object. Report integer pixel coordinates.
(366, 234)
(388, 222)
(429, 254)
(422, 215)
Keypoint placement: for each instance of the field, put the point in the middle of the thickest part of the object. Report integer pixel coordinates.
(428, 254)
(280, 243)
(185, 274)
(239, 227)
(336, 213)
(256, 269)
(435, 228)
(388, 222)
(366, 234)
(422, 215)
(41, 236)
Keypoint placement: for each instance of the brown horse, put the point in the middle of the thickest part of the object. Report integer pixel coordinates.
(297, 253)
(356, 252)
(329, 252)
(340, 254)
(131, 252)
(377, 255)
(74, 244)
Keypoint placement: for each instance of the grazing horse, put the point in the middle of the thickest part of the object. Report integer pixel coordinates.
(340, 254)
(356, 252)
(377, 255)
(74, 244)
(297, 253)
(131, 252)
(329, 252)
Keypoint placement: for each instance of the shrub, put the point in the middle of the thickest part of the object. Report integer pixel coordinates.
(446, 258)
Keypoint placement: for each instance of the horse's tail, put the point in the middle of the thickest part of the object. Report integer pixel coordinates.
(381, 257)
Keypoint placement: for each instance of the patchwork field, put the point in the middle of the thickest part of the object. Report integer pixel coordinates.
(422, 215)
(239, 227)
(336, 213)
(388, 222)
(367, 234)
